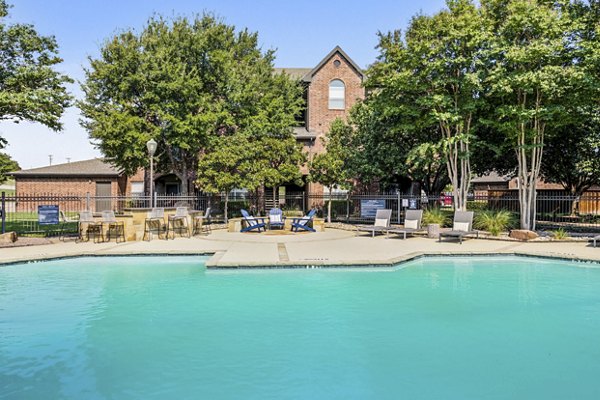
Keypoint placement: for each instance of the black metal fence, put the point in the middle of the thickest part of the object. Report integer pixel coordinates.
(554, 209)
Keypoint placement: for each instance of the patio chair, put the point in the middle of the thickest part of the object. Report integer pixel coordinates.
(154, 222)
(253, 223)
(179, 222)
(276, 218)
(113, 226)
(462, 226)
(412, 224)
(381, 224)
(65, 223)
(303, 223)
(89, 227)
(202, 223)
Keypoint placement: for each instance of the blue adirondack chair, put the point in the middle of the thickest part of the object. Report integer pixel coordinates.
(302, 223)
(253, 222)
(276, 218)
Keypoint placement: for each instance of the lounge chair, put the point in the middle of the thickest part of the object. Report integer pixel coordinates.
(462, 226)
(276, 218)
(381, 224)
(253, 223)
(412, 224)
(303, 223)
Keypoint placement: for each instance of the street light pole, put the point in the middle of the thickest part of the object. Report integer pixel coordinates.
(151, 146)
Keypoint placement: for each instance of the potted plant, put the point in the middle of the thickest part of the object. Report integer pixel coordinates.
(434, 219)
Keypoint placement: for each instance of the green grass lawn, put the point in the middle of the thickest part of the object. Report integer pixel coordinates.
(26, 223)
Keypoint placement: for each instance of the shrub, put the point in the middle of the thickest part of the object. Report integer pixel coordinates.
(435, 216)
(494, 222)
(560, 234)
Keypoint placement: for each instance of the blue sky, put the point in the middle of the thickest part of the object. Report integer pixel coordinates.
(302, 32)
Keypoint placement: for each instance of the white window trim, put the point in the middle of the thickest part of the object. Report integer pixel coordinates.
(341, 89)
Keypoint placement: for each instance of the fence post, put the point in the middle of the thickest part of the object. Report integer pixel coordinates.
(304, 202)
(3, 212)
(399, 204)
(87, 201)
(347, 207)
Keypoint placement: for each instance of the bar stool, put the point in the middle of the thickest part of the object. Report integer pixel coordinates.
(155, 222)
(202, 223)
(89, 226)
(178, 222)
(113, 226)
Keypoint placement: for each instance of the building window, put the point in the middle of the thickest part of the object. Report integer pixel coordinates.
(337, 95)
(137, 188)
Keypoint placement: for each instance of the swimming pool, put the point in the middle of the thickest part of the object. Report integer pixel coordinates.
(433, 328)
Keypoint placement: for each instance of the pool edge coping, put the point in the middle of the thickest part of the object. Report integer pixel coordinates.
(213, 264)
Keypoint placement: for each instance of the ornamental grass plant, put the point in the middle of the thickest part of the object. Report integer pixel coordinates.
(494, 222)
(435, 216)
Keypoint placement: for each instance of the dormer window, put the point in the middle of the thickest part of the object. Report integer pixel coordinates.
(337, 95)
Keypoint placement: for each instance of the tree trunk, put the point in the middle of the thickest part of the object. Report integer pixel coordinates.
(226, 206)
(183, 177)
(529, 171)
(575, 205)
(329, 206)
(458, 163)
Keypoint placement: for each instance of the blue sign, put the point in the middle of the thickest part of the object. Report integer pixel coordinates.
(48, 215)
(368, 208)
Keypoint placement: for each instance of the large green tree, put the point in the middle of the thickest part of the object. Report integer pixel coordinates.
(230, 165)
(428, 82)
(184, 83)
(331, 167)
(30, 88)
(572, 157)
(533, 80)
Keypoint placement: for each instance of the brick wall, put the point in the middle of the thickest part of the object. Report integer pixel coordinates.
(60, 186)
(319, 114)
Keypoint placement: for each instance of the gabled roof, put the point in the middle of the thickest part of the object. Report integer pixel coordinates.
(308, 77)
(492, 177)
(306, 74)
(296, 73)
(96, 167)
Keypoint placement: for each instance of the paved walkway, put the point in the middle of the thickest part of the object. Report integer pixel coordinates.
(333, 247)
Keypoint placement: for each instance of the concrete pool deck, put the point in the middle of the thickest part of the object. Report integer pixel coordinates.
(332, 247)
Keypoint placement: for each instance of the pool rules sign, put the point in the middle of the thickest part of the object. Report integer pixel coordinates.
(48, 214)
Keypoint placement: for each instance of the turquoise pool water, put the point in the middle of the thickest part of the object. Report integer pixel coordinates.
(166, 328)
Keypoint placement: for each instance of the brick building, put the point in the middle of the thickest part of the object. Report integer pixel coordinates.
(331, 88)
(95, 176)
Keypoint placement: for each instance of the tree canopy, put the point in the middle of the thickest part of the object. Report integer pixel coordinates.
(184, 83)
(479, 87)
(331, 167)
(30, 88)
(7, 164)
